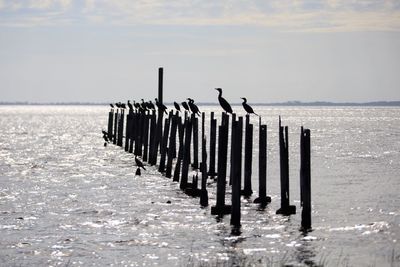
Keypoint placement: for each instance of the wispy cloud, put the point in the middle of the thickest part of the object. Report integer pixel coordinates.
(285, 15)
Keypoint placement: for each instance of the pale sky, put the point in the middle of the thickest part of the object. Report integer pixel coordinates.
(267, 51)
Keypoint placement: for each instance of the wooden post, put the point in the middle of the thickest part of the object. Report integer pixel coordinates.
(110, 124)
(195, 142)
(305, 179)
(172, 142)
(285, 209)
(181, 132)
(263, 199)
(220, 208)
(213, 137)
(164, 143)
(132, 129)
(237, 132)
(128, 130)
(186, 155)
(248, 158)
(145, 138)
(152, 136)
(121, 128)
(203, 167)
(160, 84)
(232, 138)
(116, 122)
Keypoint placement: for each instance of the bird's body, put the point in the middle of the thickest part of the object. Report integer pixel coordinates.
(139, 163)
(246, 107)
(150, 105)
(178, 108)
(224, 104)
(122, 105)
(111, 105)
(193, 107)
(161, 106)
(185, 106)
(130, 105)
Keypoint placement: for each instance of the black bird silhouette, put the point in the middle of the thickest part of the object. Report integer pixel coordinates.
(178, 108)
(139, 163)
(193, 107)
(104, 132)
(246, 107)
(118, 105)
(224, 104)
(150, 105)
(185, 106)
(137, 105)
(160, 106)
(111, 105)
(130, 105)
(122, 105)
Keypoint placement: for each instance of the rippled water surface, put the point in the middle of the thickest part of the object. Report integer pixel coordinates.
(66, 200)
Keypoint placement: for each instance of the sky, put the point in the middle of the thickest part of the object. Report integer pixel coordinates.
(267, 51)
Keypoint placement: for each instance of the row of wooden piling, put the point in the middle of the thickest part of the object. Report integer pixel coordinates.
(154, 138)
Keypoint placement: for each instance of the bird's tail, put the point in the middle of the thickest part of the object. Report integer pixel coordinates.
(143, 167)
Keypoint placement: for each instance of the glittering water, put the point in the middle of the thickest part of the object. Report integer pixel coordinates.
(66, 200)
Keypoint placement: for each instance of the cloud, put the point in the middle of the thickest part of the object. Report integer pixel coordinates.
(283, 15)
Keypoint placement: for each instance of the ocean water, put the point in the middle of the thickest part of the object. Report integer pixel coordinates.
(66, 200)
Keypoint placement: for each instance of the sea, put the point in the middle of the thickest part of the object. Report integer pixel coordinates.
(68, 200)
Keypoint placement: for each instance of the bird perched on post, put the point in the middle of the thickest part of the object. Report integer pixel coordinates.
(246, 107)
(224, 104)
(178, 108)
(185, 106)
(193, 107)
(111, 105)
(139, 163)
(161, 106)
(130, 105)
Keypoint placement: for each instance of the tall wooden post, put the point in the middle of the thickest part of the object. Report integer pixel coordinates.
(213, 137)
(305, 179)
(160, 84)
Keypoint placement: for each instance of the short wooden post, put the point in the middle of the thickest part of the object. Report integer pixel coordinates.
(116, 122)
(305, 179)
(128, 130)
(237, 132)
(110, 124)
(152, 136)
(172, 142)
(213, 138)
(220, 208)
(186, 155)
(145, 138)
(195, 121)
(132, 129)
(181, 133)
(263, 199)
(285, 209)
(203, 167)
(248, 158)
(121, 128)
(164, 143)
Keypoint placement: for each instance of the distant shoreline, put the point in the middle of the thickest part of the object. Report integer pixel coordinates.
(288, 103)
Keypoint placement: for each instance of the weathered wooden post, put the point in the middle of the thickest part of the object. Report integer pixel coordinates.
(128, 130)
(121, 128)
(164, 143)
(195, 121)
(203, 167)
(172, 143)
(132, 129)
(186, 155)
(237, 133)
(160, 84)
(263, 199)
(220, 208)
(116, 119)
(145, 138)
(285, 209)
(110, 124)
(153, 127)
(181, 133)
(248, 158)
(232, 138)
(305, 179)
(213, 137)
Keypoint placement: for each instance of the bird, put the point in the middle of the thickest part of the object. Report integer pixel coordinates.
(193, 107)
(111, 105)
(118, 105)
(161, 106)
(104, 132)
(122, 105)
(150, 105)
(178, 108)
(224, 104)
(246, 107)
(139, 163)
(185, 106)
(130, 105)
(137, 105)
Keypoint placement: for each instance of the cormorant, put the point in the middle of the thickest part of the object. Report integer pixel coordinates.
(246, 107)
(130, 105)
(118, 105)
(161, 107)
(123, 106)
(193, 107)
(137, 105)
(139, 163)
(224, 104)
(178, 108)
(150, 105)
(111, 105)
(185, 106)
